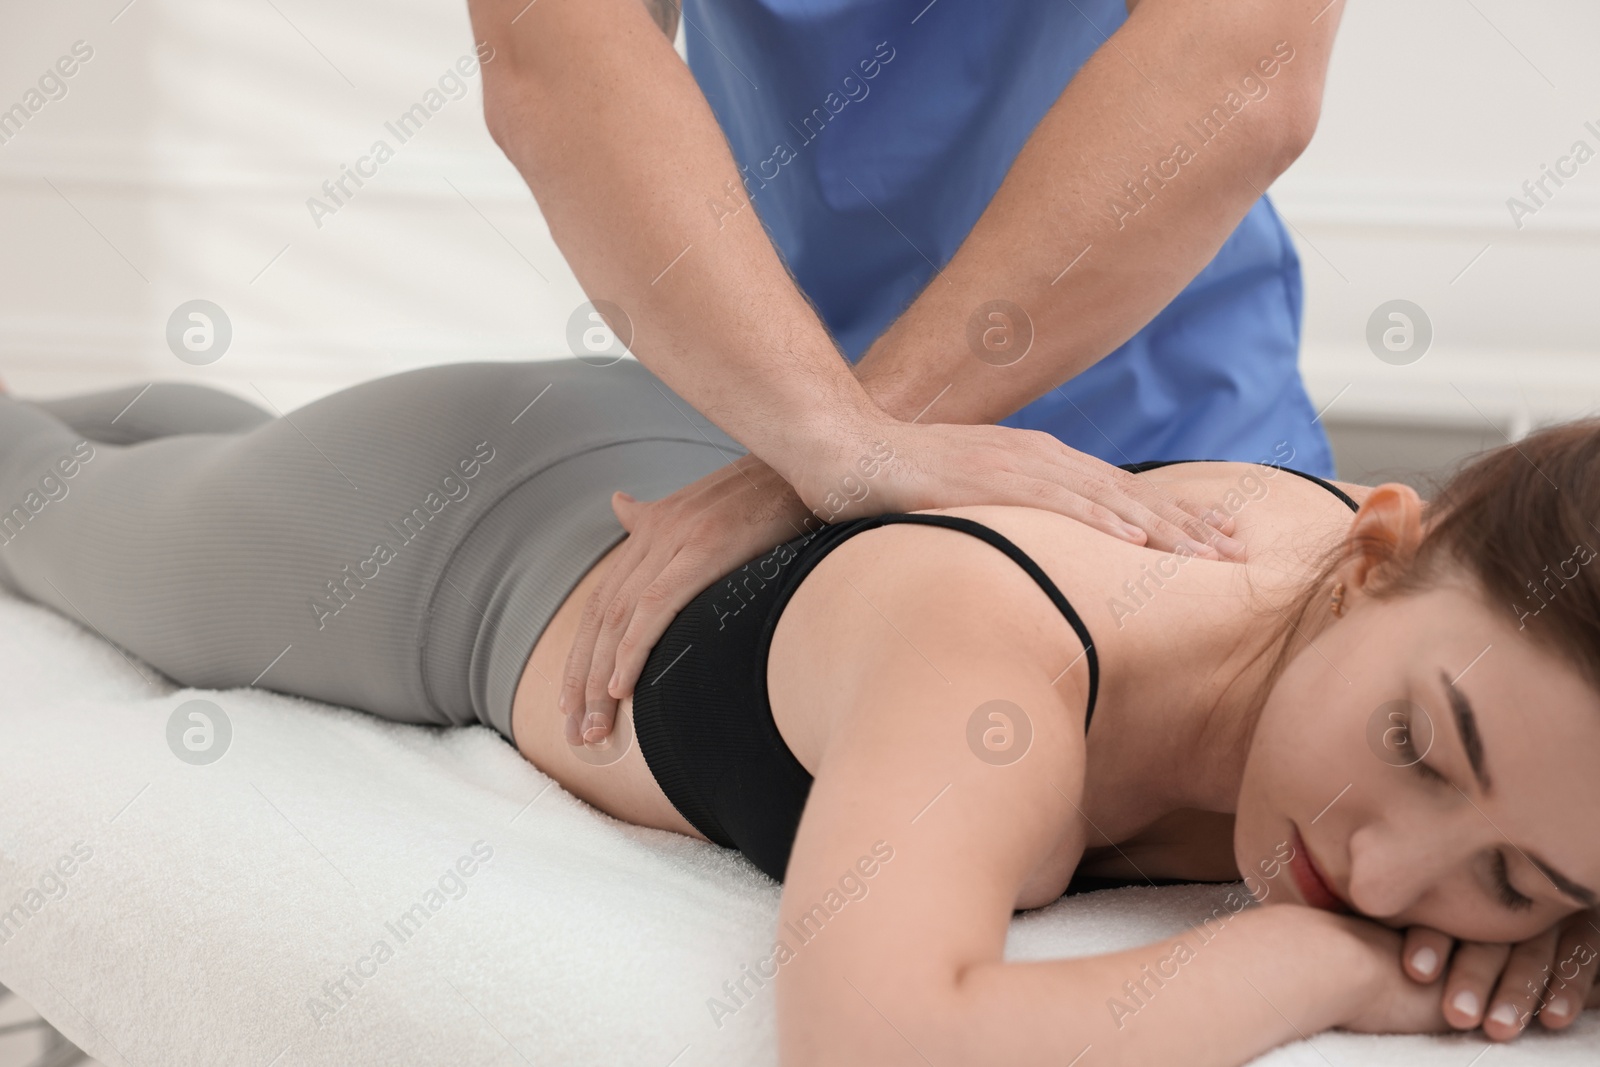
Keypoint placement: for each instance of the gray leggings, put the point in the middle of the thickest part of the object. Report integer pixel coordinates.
(397, 547)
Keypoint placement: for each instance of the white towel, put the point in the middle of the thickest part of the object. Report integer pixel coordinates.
(177, 914)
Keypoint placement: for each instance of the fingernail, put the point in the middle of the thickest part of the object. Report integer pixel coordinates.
(1559, 1006)
(1465, 1003)
(1505, 1015)
(1197, 549)
(1425, 961)
(1132, 532)
(616, 678)
(561, 701)
(593, 727)
(1215, 517)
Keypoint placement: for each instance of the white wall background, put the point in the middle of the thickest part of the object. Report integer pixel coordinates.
(1436, 112)
(179, 164)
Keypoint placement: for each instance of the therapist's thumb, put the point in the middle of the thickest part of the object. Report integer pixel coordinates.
(627, 509)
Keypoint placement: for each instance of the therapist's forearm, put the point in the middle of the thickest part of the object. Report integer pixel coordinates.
(1088, 274)
(606, 124)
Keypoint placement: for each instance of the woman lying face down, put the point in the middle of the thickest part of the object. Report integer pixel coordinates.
(1387, 721)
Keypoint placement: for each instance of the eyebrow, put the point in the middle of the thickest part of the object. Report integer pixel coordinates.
(1565, 884)
(1466, 721)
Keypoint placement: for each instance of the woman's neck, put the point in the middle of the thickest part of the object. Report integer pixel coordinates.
(1183, 681)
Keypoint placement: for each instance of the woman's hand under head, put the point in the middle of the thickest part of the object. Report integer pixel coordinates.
(1420, 987)
(1504, 987)
(1433, 767)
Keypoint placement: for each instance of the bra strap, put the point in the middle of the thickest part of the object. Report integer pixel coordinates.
(1153, 464)
(1034, 571)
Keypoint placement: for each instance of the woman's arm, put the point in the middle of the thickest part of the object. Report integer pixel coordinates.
(920, 837)
(1222, 994)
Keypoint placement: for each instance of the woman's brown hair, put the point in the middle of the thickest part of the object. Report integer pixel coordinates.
(1516, 521)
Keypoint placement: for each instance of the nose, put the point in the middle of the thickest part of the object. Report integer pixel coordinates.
(1391, 870)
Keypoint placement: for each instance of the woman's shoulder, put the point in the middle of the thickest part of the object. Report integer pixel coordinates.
(923, 598)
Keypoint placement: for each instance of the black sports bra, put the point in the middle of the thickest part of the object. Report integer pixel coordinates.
(701, 712)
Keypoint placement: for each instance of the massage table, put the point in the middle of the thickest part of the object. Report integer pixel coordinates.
(332, 889)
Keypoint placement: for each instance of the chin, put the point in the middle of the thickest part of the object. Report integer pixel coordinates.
(1254, 822)
(1265, 846)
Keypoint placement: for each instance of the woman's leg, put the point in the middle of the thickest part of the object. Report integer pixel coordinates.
(133, 413)
(310, 554)
(180, 547)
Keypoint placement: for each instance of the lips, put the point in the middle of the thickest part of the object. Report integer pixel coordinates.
(1315, 888)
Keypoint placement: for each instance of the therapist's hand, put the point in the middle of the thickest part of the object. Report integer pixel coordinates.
(677, 547)
(945, 465)
(681, 544)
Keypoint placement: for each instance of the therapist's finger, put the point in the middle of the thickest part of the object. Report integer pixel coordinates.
(572, 674)
(1124, 495)
(601, 700)
(1103, 510)
(1190, 531)
(1134, 501)
(1209, 515)
(627, 509)
(671, 591)
(576, 671)
(1165, 518)
(601, 705)
(671, 534)
(575, 675)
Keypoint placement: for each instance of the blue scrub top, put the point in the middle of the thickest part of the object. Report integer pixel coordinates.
(871, 144)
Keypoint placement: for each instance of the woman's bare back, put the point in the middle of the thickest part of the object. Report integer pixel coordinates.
(1279, 516)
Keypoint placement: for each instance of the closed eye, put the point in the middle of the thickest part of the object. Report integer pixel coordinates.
(1408, 749)
(1504, 890)
(1500, 875)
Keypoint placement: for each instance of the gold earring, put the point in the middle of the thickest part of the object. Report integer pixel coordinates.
(1337, 607)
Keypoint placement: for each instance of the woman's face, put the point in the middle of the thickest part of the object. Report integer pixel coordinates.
(1425, 763)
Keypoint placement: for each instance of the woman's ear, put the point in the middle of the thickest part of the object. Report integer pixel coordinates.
(1388, 527)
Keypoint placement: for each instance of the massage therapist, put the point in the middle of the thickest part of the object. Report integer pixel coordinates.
(1047, 216)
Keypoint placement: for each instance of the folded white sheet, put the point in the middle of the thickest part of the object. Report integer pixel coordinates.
(175, 914)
